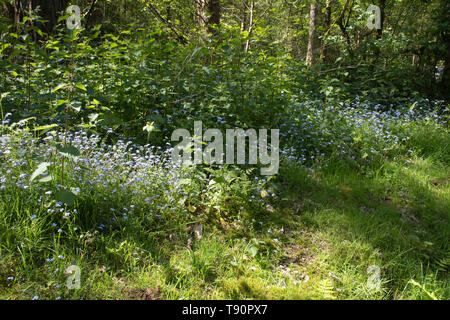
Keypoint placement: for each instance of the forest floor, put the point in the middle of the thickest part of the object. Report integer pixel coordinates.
(331, 230)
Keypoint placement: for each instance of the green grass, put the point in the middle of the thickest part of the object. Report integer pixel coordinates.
(315, 239)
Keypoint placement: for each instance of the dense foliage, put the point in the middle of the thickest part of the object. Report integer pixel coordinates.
(85, 143)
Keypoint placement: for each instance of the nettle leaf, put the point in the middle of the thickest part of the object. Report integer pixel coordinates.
(3, 47)
(40, 170)
(80, 86)
(93, 117)
(68, 151)
(206, 70)
(252, 251)
(46, 179)
(76, 105)
(61, 102)
(220, 179)
(66, 196)
(50, 126)
(58, 87)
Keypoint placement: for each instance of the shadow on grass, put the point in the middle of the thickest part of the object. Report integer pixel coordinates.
(396, 212)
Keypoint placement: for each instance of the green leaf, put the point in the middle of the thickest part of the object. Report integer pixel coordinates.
(50, 126)
(220, 179)
(58, 87)
(93, 117)
(46, 179)
(66, 196)
(3, 47)
(252, 251)
(206, 70)
(76, 105)
(68, 151)
(40, 170)
(84, 167)
(80, 86)
(60, 102)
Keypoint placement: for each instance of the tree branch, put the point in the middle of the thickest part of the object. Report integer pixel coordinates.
(167, 23)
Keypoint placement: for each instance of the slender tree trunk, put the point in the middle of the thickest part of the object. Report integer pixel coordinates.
(310, 55)
(324, 51)
(244, 23)
(298, 25)
(383, 15)
(250, 27)
(17, 11)
(288, 27)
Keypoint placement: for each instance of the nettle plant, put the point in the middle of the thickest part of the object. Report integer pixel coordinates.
(81, 79)
(61, 96)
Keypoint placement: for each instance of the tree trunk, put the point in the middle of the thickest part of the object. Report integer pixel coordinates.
(310, 55)
(244, 22)
(208, 14)
(18, 11)
(324, 51)
(49, 10)
(383, 15)
(250, 27)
